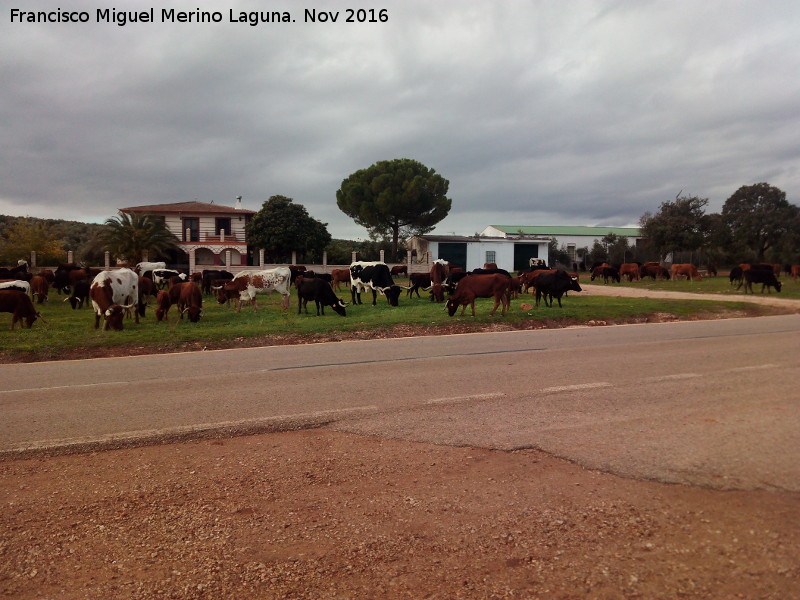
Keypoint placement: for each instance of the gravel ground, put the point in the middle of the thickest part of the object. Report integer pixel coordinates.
(320, 514)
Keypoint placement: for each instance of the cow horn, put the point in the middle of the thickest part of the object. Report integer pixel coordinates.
(39, 316)
(184, 310)
(65, 299)
(214, 287)
(427, 289)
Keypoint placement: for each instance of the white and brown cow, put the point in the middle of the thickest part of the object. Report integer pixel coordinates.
(111, 293)
(248, 284)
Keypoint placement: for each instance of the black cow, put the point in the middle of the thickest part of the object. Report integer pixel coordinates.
(320, 292)
(418, 280)
(209, 275)
(611, 273)
(765, 277)
(80, 294)
(736, 276)
(554, 285)
(374, 276)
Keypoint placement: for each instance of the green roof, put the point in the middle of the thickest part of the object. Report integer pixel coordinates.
(557, 230)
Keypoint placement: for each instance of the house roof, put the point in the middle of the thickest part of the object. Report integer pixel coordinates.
(189, 207)
(556, 230)
(467, 238)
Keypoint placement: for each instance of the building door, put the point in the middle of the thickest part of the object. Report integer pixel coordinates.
(193, 225)
(522, 255)
(455, 253)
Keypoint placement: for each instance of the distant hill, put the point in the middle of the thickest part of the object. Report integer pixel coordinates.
(75, 234)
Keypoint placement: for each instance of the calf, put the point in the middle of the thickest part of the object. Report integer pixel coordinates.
(20, 306)
(321, 293)
(555, 285)
(472, 286)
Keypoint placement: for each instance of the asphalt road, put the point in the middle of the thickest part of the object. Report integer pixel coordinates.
(712, 403)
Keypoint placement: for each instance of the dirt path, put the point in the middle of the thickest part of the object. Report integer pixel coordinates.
(620, 292)
(320, 514)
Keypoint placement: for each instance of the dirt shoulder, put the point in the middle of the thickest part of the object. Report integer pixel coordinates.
(319, 514)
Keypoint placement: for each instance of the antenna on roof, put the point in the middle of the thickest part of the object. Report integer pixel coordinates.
(238, 202)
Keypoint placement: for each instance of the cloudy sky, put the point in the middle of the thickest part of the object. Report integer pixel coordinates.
(537, 112)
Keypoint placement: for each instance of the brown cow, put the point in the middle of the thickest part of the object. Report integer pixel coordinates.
(162, 305)
(687, 269)
(654, 271)
(189, 298)
(440, 270)
(20, 306)
(794, 271)
(495, 286)
(340, 276)
(630, 270)
(112, 293)
(399, 270)
(39, 287)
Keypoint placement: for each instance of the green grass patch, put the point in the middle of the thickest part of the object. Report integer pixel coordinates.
(69, 333)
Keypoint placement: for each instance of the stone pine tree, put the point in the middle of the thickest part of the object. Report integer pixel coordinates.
(281, 227)
(394, 197)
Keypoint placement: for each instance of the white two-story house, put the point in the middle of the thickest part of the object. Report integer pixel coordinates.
(210, 234)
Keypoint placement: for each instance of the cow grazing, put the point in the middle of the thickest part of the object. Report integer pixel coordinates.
(189, 299)
(80, 294)
(597, 269)
(611, 273)
(440, 271)
(766, 277)
(554, 285)
(654, 271)
(685, 269)
(211, 275)
(496, 286)
(374, 276)
(340, 276)
(111, 293)
(630, 270)
(39, 287)
(417, 281)
(20, 305)
(249, 284)
(399, 270)
(736, 275)
(321, 293)
(528, 279)
(61, 277)
(163, 305)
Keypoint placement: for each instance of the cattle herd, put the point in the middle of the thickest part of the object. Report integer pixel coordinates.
(120, 293)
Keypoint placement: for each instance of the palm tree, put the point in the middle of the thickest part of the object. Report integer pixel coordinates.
(134, 236)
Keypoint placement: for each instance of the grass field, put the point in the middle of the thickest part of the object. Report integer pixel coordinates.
(70, 333)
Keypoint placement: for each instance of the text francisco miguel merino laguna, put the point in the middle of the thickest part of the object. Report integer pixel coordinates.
(170, 15)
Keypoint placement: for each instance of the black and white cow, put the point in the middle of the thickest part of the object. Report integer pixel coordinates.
(161, 277)
(373, 276)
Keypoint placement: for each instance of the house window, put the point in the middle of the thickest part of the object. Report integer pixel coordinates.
(222, 224)
(193, 225)
(491, 256)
